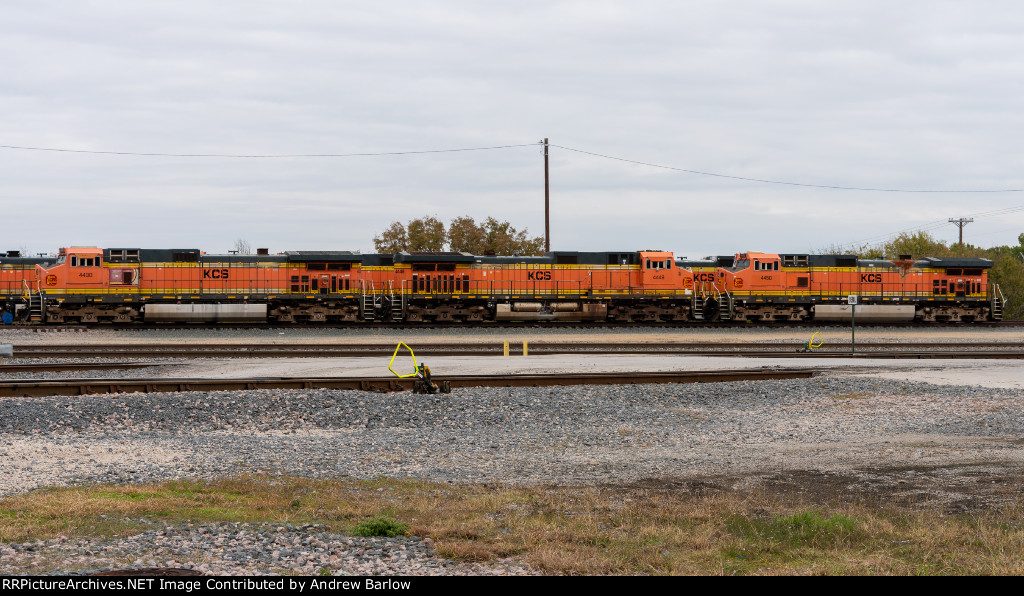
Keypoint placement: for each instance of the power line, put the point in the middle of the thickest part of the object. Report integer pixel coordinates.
(601, 155)
(939, 223)
(829, 186)
(960, 223)
(233, 155)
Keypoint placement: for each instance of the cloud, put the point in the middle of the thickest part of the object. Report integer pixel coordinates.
(915, 95)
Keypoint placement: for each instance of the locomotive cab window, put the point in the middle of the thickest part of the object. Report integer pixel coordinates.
(84, 262)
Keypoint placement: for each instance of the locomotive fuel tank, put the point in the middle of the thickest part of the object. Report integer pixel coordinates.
(205, 313)
(865, 312)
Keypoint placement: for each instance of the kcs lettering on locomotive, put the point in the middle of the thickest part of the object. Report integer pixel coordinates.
(538, 275)
(704, 276)
(215, 273)
(871, 278)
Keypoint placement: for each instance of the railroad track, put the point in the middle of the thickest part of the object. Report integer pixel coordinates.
(32, 388)
(759, 349)
(816, 325)
(72, 366)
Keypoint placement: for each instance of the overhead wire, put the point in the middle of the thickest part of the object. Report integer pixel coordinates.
(573, 149)
(766, 181)
(938, 223)
(927, 226)
(255, 156)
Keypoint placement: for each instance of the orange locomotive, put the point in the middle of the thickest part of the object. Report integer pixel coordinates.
(125, 285)
(18, 280)
(795, 287)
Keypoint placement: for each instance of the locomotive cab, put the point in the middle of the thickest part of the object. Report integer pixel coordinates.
(658, 270)
(753, 273)
(77, 267)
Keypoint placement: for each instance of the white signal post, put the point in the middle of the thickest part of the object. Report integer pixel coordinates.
(852, 301)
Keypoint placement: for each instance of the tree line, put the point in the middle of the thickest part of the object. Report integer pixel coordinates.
(463, 234)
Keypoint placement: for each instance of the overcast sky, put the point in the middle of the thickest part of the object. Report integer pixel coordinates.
(911, 95)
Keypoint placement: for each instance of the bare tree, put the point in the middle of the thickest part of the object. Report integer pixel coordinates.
(242, 247)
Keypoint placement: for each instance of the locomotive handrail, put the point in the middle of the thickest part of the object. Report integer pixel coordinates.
(997, 290)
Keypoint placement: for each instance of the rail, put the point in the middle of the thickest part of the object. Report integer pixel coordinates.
(37, 388)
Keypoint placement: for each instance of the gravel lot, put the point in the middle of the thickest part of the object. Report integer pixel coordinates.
(856, 435)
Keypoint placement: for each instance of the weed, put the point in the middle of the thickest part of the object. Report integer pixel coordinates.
(381, 525)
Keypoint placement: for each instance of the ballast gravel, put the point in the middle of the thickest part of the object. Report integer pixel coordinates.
(556, 435)
(243, 549)
(584, 435)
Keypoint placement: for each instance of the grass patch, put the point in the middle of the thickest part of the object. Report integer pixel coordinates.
(557, 530)
(382, 525)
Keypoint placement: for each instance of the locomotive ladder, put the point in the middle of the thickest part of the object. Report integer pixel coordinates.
(397, 302)
(697, 304)
(36, 303)
(369, 300)
(35, 307)
(724, 305)
(998, 301)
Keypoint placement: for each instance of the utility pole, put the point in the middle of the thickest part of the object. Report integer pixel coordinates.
(547, 202)
(960, 223)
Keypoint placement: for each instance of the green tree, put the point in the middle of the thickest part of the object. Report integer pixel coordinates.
(392, 240)
(1008, 271)
(464, 235)
(917, 244)
(426, 234)
(503, 239)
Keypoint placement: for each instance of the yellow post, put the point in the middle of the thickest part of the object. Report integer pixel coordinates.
(524, 348)
(506, 348)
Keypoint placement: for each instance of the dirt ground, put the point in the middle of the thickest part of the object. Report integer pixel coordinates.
(955, 489)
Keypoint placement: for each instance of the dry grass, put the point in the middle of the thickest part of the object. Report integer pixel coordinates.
(562, 530)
